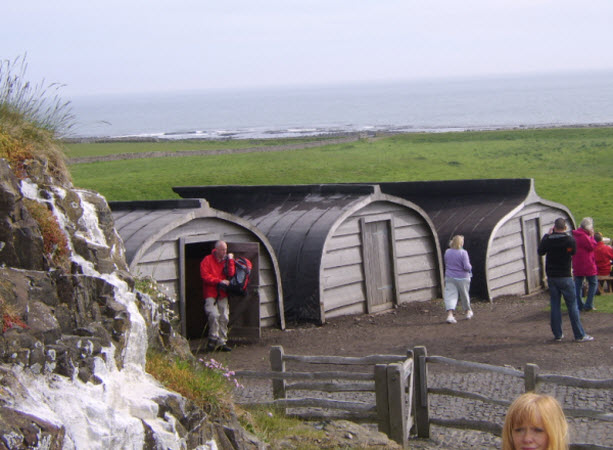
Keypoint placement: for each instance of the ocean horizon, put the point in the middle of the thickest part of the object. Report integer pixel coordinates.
(438, 105)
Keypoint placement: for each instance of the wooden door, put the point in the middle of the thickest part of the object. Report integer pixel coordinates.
(245, 310)
(534, 264)
(378, 265)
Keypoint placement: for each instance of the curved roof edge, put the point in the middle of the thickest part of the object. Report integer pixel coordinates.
(202, 211)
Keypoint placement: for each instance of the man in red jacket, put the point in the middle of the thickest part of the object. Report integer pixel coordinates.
(215, 269)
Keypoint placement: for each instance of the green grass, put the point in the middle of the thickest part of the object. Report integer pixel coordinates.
(603, 304)
(570, 166)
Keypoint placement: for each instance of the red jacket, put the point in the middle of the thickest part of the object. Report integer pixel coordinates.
(584, 262)
(212, 274)
(603, 254)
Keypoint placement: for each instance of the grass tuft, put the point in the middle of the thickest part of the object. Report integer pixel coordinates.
(9, 316)
(208, 388)
(32, 120)
(39, 104)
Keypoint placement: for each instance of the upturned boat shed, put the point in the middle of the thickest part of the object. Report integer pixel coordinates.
(502, 221)
(167, 239)
(342, 249)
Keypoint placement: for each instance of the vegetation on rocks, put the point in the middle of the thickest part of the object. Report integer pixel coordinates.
(55, 243)
(32, 120)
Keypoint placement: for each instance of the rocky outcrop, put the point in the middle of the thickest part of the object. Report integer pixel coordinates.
(77, 323)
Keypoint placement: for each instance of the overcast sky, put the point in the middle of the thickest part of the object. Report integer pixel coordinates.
(160, 45)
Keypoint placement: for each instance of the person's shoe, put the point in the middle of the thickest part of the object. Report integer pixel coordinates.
(224, 348)
(211, 346)
(558, 339)
(589, 309)
(585, 338)
(469, 314)
(451, 319)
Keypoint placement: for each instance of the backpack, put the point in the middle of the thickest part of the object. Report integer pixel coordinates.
(240, 280)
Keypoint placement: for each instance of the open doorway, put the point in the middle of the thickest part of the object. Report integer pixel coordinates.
(244, 310)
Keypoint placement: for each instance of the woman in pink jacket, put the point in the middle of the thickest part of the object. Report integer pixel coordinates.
(584, 264)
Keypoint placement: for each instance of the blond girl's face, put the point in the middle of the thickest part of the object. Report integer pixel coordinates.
(530, 436)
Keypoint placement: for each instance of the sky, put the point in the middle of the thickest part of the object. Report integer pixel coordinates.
(129, 46)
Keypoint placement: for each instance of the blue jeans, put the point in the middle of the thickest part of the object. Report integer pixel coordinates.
(563, 286)
(592, 283)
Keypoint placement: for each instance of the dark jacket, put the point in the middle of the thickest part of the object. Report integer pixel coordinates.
(559, 248)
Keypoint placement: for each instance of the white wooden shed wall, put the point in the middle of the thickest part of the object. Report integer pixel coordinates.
(506, 259)
(343, 289)
(161, 260)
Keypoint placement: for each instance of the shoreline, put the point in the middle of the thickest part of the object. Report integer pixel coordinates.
(357, 134)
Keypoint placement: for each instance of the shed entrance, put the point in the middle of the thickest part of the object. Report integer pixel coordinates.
(534, 264)
(379, 267)
(244, 310)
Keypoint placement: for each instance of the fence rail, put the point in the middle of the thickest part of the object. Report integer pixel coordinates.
(532, 380)
(389, 378)
(400, 387)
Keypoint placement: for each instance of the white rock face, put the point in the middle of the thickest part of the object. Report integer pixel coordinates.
(111, 414)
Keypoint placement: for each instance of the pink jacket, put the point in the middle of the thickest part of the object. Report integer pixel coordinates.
(584, 261)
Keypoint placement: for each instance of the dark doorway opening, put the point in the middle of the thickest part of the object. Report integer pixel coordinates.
(244, 310)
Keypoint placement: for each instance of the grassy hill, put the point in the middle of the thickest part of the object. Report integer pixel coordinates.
(570, 165)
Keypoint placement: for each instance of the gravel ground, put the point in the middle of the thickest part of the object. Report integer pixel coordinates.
(493, 385)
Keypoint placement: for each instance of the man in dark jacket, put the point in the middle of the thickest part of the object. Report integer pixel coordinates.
(559, 246)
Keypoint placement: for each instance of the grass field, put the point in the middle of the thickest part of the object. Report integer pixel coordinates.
(571, 166)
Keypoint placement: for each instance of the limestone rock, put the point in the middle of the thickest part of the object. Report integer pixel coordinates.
(21, 243)
(20, 430)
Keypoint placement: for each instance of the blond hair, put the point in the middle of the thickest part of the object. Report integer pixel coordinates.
(457, 242)
(533, 408)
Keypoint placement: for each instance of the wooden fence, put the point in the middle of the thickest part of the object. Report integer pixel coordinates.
(400, 387)
(388, 377)
(531, 378)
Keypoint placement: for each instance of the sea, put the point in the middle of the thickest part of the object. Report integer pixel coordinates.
(436, 105)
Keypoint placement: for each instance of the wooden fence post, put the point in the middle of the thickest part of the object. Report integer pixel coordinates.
(530, 377)
(397, 404)
(422, 416)
(277, 365)
(381, 399)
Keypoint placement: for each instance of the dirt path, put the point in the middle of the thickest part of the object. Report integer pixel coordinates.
(511, 331)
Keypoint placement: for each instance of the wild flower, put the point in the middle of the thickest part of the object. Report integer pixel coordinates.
(216, 366)
(9, 316)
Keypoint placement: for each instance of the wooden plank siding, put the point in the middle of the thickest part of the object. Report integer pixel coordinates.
(161, 260)
(343, 284)
(506, 258)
